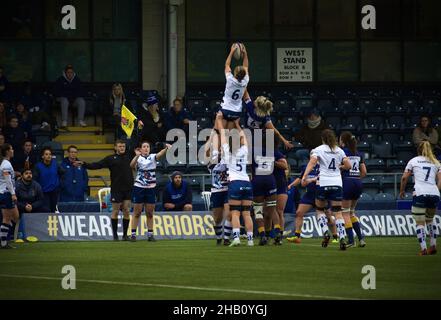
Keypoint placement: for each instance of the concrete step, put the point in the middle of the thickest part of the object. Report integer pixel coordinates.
(81, 139)
(94, 182)
(105, 173)
(91, 146)
(80, 129)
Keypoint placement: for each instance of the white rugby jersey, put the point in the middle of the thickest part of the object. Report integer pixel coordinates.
(236, 164)
(329, 161)
(234, 91)
(219, 176)
(6, 166)
(425, 173)
(145, 171)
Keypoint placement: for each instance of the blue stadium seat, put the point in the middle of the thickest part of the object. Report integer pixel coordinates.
(412, 123)
(399, 110)
(334, 122)
(405, 155)
(388, 103)
(369, 137)
(195, 182)
(409, 103)
(391, 137)
(293, 164)
(281, 104)
(375, 165)
(371, 182)
(382, 149)
(289, 122)
(371, 191)
(396, 165)
(389, 182)
(384, 197)
(195, 104)
(354, 110)
(324, 104)
(392, 191)
(304, 103)
(349, 127)
(290, 109)
(345, 104)
(356, 121)
(367, 104)
(375, 121)
(407, 196)
(397, 122)
(204, 122)
(214, 105)
(432, 104)
(421, 109)
(364, 146)
(366, 197)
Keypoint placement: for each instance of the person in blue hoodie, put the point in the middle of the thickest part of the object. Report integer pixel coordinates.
(177, 117)
(69, 90)
(47, 173)
(74, 184)
(177, 194)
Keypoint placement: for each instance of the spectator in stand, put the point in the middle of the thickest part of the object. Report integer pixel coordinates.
(310, 134)
(177, 116)
(2, 139)
(117, 100)
(150, 121)
(15, 135)
(27, 97)
(4, 83)
(25, 157)
(30, 198)
(24, 120)
(177, 194)
(426, 132)
(40, 120)
(69, 90)
(3, 117)
(75, 181)
(47, 173)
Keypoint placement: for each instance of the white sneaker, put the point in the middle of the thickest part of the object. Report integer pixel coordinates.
(235, 242)
(83, 124)
(250, 243)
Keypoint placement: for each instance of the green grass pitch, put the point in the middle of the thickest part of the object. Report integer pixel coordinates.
(198, 269)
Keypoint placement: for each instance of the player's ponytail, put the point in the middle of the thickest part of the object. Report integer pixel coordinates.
(328, 138)
(3, 151)
(239, 73)
(349, 141)
(264, 106)
(425, 150)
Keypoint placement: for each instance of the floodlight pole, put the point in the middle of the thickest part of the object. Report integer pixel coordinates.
(172, 9)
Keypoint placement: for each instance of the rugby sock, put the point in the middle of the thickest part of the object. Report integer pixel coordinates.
(126, 223)
(323, 223)
(340, 224)
(149, 233)
(227, 229)
(421, 236)
(356, 226)
(276, 230)
(115, 227)
(297, 233)
(267, 233)
(218, 230)
(432, 233)
(236, 233)
(261, 231)
(350, 232)
(133, 232)
(10, 236)
(4, 229)
(250, 236)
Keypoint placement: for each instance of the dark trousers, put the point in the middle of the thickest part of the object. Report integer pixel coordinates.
(51, 200)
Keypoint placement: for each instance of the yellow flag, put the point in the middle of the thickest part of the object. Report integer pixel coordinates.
(127, 121)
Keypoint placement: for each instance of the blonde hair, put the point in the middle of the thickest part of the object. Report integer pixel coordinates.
(264, 106)
(425, 150)
(118, 86)
(239, 73)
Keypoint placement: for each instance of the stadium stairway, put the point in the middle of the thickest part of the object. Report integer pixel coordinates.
(92, 146)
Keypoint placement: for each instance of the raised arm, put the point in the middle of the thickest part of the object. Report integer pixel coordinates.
(161, 153)
(245, 62)
(286, 143)
(135, 159)
(403, 184)
(228, 61)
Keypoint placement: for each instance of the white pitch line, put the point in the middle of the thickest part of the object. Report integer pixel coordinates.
(138, 284)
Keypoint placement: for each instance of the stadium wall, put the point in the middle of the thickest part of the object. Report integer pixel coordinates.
(196, 225)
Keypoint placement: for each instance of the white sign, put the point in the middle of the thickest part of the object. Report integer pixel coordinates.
(294, 64)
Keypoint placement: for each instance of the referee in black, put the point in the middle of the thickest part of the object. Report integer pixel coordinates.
(121, 184)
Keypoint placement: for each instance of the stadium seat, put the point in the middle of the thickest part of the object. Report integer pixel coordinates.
(364, 146)
(304, 103)
(214, 105)
(354, 110)
(195, 182)
(344, 104)
(396, 165)
(405, 155)
(375, 165)
(349, 127)
(325, 104)
(334, 122)
(397, 122)
(407, 196)
(382, 149)
(204, 122)
(195, 104)
(371, 191)
(399, 110)
(355, 121)
(432, 104)
(369, 137)
(391, 137)
(289, 122)
(366, 197)
(375, 122)
(293, 164)
(288, 110)
(409, 103)
(388, 182)
(384, 197)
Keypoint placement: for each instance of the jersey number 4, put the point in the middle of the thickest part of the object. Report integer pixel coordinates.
(332, 164)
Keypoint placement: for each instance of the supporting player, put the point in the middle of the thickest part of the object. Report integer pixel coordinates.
(144, 188)
(331, 160)
(219, 195)
(427, 172)
(8, 199)
(352, 187)
(280, 167)
(240, 192)
(307, 202)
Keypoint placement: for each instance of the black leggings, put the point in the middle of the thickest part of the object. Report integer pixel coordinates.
(51, 200)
